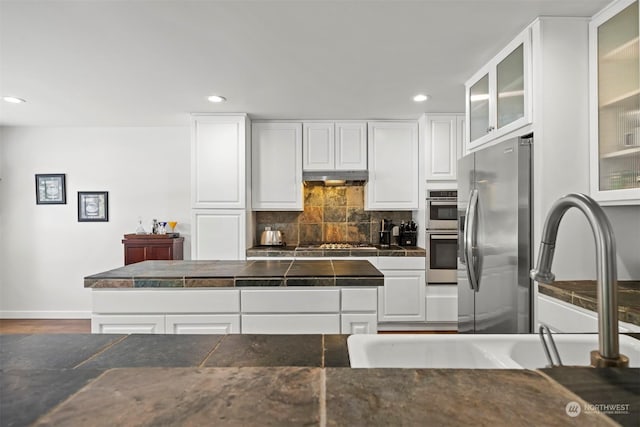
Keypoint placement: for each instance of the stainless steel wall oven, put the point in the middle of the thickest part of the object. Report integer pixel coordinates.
(442, 257)
(442, 210)
(442, 237)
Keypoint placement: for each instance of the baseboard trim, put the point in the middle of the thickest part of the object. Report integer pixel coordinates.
(5, 314)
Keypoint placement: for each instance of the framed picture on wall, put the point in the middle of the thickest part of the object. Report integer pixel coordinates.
(93, 206)
(50, 189)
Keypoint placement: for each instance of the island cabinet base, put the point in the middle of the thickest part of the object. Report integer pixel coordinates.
(294, 310)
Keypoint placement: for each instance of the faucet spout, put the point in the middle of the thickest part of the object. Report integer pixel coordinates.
(608, 352)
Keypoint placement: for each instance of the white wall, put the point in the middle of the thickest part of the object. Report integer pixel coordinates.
(45, 252)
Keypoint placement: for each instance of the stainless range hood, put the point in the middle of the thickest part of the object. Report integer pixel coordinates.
(335, 177)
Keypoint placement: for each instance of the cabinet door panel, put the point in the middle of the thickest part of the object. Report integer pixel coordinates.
(393, 166)
(203, 324)
(133, 254)
(615, 102)
(277, 166)
(351, 146)
(218, 234)
(159, 252)
(442, 303)
(318, 146)
(510, 87)
(402, 298)
(478, 106)
(442, 148)
(127, 324)
(218, 162)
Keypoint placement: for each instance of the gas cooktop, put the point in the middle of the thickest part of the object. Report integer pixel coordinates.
(335, 245)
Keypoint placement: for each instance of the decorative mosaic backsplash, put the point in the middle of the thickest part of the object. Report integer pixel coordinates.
(331, 214)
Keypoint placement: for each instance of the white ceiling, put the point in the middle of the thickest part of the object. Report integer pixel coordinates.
(148, 63)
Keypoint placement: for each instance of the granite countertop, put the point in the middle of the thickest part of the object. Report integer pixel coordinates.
(301, 252)
(207, 274)
(583, 293)
(279, 380)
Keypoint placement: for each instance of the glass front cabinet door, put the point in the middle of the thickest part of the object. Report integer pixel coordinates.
(479, 108)
(498, 95)
(615, 106)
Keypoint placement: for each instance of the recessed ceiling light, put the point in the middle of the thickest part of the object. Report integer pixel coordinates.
(13, 100)
(420, 97)
(216, 98)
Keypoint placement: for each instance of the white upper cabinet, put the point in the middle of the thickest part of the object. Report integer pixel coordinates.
(351, 146)
(615, 104)
(444, 146)
(218, 159)
(276, 166)
(318, 146)
(393, 166)
(334, 146)
(498, 96)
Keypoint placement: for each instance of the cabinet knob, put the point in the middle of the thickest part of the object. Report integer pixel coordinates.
(490, 129)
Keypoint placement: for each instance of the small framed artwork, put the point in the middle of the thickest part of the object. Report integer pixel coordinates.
(93, 206)
(50, 189)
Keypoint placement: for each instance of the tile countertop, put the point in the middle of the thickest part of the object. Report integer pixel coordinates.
(583, 293)
(210, 274)
(279, 380)
(293, 251)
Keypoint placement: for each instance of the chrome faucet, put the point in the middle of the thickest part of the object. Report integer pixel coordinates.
(608, 352)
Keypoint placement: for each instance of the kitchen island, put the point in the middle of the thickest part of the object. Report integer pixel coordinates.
(292, 296)
(88, 379)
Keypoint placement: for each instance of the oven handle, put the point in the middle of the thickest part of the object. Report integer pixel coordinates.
(450, 236)
(469, 239)
(442, 202)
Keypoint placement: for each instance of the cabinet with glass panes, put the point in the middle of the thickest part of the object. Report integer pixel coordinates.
(615, 109)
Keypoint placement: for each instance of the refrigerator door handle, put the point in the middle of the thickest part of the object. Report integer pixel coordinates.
(469, 239)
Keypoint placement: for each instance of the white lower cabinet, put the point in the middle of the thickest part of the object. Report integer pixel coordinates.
(309, 311)
(561, 316)
(402, 297)
(231, 311)
(442, 303)
(170, 311)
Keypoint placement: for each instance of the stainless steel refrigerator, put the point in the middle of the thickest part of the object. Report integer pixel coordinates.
(494, 239)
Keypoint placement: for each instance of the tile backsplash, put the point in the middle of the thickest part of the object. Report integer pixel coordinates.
(331, 214)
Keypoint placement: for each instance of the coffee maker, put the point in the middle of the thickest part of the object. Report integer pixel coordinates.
(385, 233)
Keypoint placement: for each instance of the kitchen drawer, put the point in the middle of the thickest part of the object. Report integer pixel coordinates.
(401, 263)
(359, 299)
(291, 324)
(166, 301)
(301, 300)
